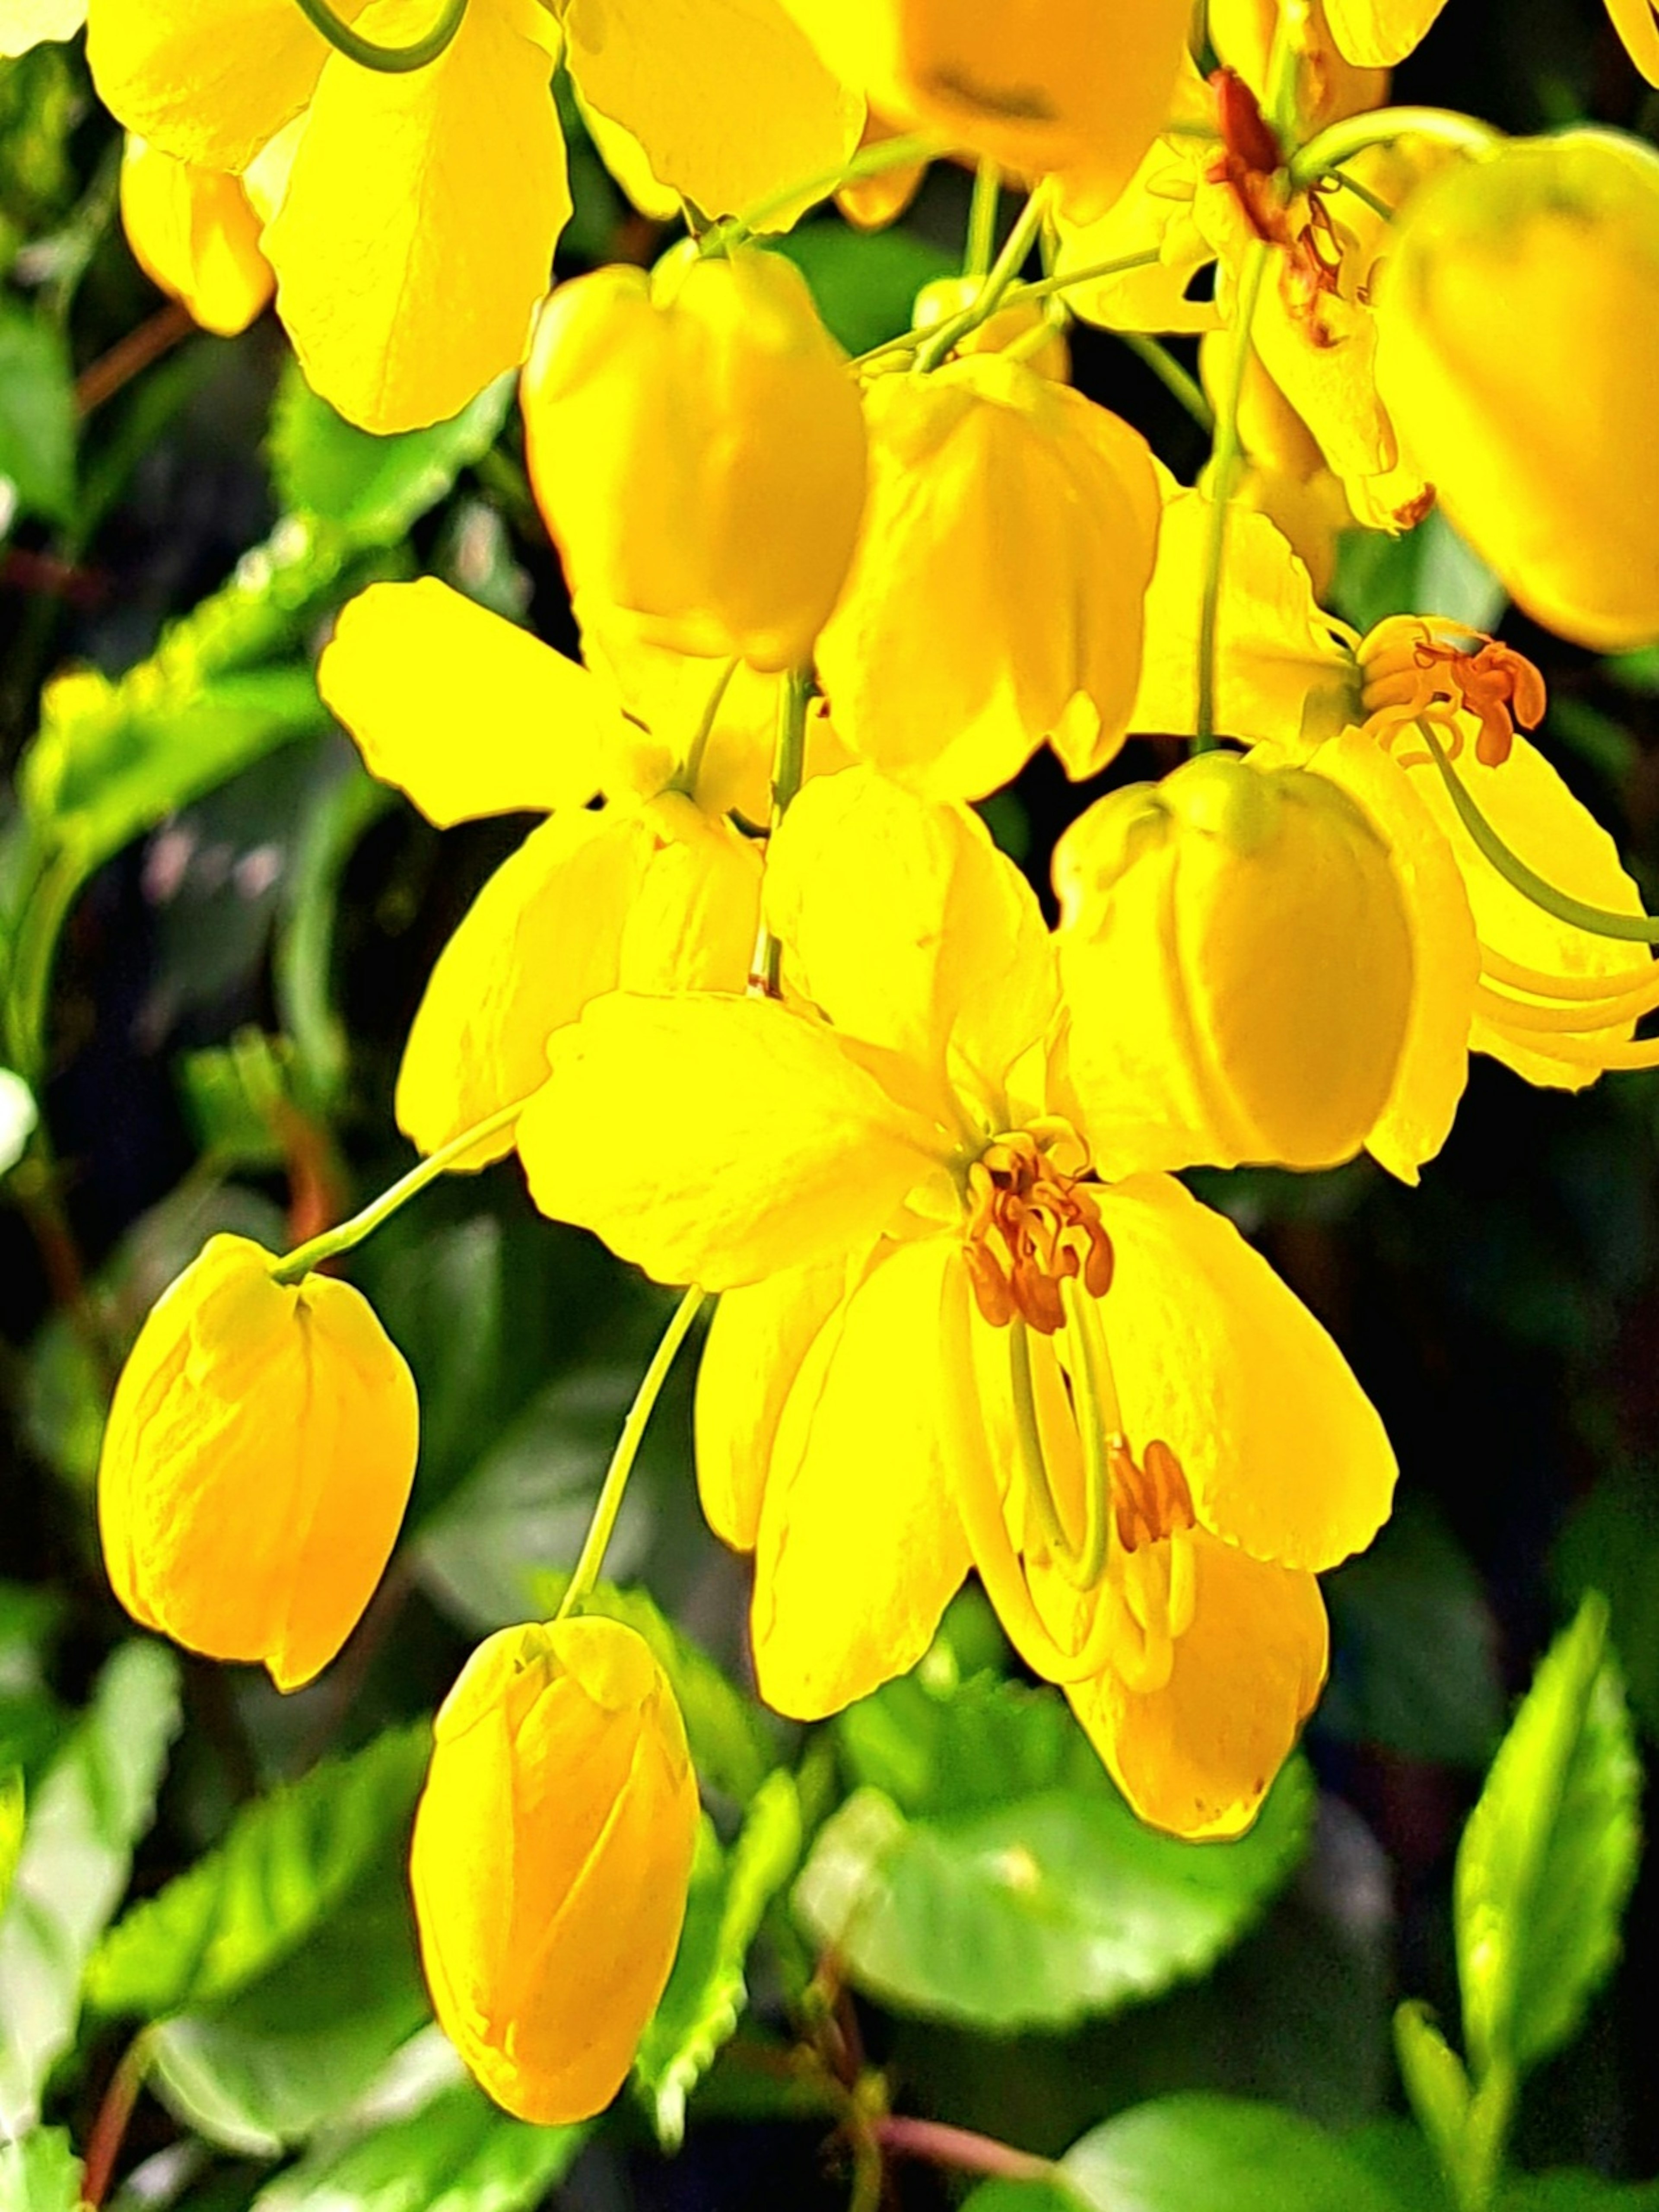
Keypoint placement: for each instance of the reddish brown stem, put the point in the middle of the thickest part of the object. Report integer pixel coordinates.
(109, 2129)
(132, 354)
(958, 2148)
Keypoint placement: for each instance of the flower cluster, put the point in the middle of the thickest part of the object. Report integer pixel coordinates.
(760, 1002)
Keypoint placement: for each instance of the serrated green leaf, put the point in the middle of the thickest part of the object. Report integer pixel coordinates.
(37, 418)
(1041, 1910)
(457, 2152)
(39, 2173)
(969, 1744)
(1202, 2154)
(287, 1862)
(707, 1991)
(94, 1803)
(373, 488)
(1548, 1857)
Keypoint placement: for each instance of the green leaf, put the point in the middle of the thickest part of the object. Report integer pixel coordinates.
(373, 488)
(1006, 1884)
(1568, 2192)
(39, 2173)
(1204, 2153)
(286, 1863)
(1022, 2197)
(707, 1992)
(865, 282)
(1548, 1857)
(457, 2152)
(1437, 2084)
(37, 418)
(1611, 1544)
(94, 1803)
(13, 1810)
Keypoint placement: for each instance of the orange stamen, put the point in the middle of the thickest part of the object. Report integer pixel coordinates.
(1416, 669)
(1029, 1228)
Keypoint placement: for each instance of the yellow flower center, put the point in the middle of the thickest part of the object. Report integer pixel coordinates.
(1416, 669)
(1031, 1227)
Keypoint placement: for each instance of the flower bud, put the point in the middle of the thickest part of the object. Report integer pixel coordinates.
(552, 1853)
(256, 1463)
(1517, 313)
(195, 233)
(697, 446)
(995, 599)
(1235, 949)
(1024, 323)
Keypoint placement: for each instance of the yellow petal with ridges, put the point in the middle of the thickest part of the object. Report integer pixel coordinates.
(464, 712)
(194, 232)
(415, 238)
(1215, 1358)
(859, 1550)
(754, 1350)
(716, 1140)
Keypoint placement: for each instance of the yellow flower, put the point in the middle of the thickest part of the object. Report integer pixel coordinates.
(1329, 84)
(414, 233)
(1493, 972)
(698, 450)
(258, 1460)
(942, 1343)
(26, 23)
(1076, 88)
(195, 233)
(1510, 286)
(994, 600)
(1284, 474)
(654, 890)
(1236, 956)
(552, 1852)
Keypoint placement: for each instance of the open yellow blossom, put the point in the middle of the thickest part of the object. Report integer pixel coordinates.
(994, 600)
(195, 232)
(944, 1343)
(413, 235)
(697, 449)
(654, 890)
(552, 1852)
(1511, 284)
(1494, 972)
(259, 1457)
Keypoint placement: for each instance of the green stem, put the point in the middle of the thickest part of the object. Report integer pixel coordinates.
(1223, 471)
(982, 219)
(1172, 375)
(388, 61)
(1595, 920)
(615, 1487)
(1043, 287)
(332, 1242)
(686, 781)
(869, 162)
(1003, 271)
(1356, 134)
(1363, 193)
(788, 768)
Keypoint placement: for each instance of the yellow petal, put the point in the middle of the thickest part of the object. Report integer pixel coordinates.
(463, 711)
(26, 23)
(1433, 1065)
(668, 693)
(1213, 1357)
(1377, 34)
(1636, 24)
(716, 1140)
(859, 1550)
(1198, 1756)
(1284, 669)
(904, 923)
(727, 98)
(177, 71)
(627, 162)
(754, 1350)
(194, 233)
(416, 234)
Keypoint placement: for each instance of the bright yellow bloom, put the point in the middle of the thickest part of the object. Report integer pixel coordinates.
(26, 23)
(417, 214)
(994, 600)
(1511, 286)
(195, 233)
(944, 1343)
(258, 1456)
(552, 1852)
(1076, 89)
(697, 448)
(1494, 973)
(1236, 956)
(653, 891)
(1329, 84)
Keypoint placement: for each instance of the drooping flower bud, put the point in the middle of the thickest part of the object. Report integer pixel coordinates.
(697, 449)
(256, 1463)
(551, 1857)
(1080, 88)
(1238, 959)
(996, 597)
(195, 232)
(1518, 314)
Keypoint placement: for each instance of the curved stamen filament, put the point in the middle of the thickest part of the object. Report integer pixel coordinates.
(1584, 1052)
(369, 53)
(1515, 977)
(1583, 1016)
(1100, 1423)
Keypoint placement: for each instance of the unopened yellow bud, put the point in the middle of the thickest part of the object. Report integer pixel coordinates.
(256, 1463)
(194, 232)
(1238, 963)
(1517, 315)
(552, 1853)
(1041, 341)
(1077, 86)
(996, 597)
(697, 449)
